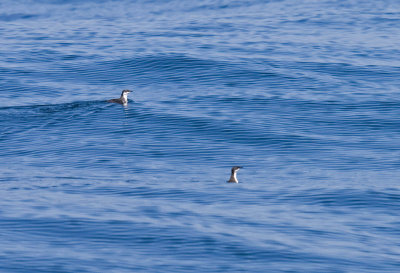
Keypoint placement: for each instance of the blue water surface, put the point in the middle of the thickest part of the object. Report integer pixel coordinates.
(304, 94)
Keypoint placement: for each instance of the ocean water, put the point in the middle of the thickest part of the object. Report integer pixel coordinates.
(304, 94)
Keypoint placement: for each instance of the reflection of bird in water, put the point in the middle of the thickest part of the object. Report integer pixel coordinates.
(233, 178)
(123, 99)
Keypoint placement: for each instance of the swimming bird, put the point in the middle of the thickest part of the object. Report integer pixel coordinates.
(123, 99)
(233, 178)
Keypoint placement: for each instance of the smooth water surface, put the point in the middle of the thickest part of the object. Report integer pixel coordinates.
(303, 94)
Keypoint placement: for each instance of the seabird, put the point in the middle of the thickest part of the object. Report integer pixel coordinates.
(123, 99)
(233, 178)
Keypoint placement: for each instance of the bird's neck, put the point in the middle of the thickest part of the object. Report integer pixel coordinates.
(124, 97)
(233, 178)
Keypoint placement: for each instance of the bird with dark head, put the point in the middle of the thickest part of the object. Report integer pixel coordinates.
(123, 99)
(233, 178)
